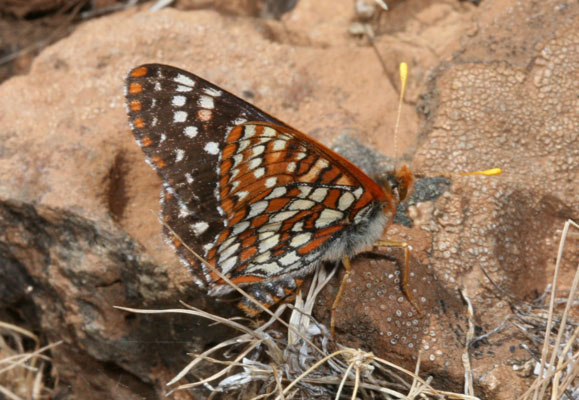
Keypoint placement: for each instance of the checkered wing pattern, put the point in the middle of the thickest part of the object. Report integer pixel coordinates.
(261, 201)
(181, 123)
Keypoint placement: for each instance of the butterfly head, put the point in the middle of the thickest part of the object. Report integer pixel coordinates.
(399, 182)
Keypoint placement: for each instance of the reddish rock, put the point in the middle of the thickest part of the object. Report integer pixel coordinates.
(79, 233)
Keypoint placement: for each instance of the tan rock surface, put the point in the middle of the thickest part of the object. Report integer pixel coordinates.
(78, 235)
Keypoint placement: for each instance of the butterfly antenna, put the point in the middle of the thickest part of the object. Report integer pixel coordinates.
(403, 79)
(486, 172)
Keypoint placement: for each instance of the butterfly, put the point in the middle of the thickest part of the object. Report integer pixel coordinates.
(262, 202)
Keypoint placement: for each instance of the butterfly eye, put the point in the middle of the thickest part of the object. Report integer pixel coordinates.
(404, 182)
(399, 183)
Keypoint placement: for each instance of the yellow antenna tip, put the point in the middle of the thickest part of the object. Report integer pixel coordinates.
(486, 172)
(403, 77)
(403, 72)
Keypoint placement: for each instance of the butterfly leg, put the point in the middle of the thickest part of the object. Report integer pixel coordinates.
(348, 267)
(406, 273)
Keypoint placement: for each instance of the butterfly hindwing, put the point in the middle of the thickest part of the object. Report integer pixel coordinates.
(285, 200)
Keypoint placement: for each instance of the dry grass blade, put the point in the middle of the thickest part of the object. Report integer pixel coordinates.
(344, 380)
(468, 381)
(22, 371)
(558, 367)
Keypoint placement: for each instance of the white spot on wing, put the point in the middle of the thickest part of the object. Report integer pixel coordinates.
(282, 216)
(271, 182)
(180, 116)
(279, 145)
(328, 217)
(240, 227)
(268, 131)
(271, 268)
(259, 173)
(183, 89)
(298, 226)
(239, 121)
(263, 257)
(358, 192)
(228, 265)
(345, 201)
(199, 227)
(289, 258)
(190, 131)
(158, 86)
(226, 244)
(213, 92)
(269, 227)
(301, 205)
(179, 101)
(179, 154)
(248, 131)
(254, 163)
(212, 148)
(322, 163)
(319, 195)
(189, 178)
(257, 150)
(277, 192)
(241, 195)
(169, 189)
(242, 145)
(300, 239)
(291, 167)
(237, 159)
(266, 244)
(184, 80)
(228, 252)
(206, 102)
(163, 138)
(257, 208)
(184, 211)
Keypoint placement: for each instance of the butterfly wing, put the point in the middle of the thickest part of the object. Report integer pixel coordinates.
(181, 123)
(289, 203)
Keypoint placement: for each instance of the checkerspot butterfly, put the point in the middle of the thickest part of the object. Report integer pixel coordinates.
(262, 202)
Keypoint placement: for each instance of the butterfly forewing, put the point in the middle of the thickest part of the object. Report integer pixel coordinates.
(181, 122)
(261, 201)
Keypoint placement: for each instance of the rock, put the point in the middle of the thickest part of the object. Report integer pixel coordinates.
(79, 233)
